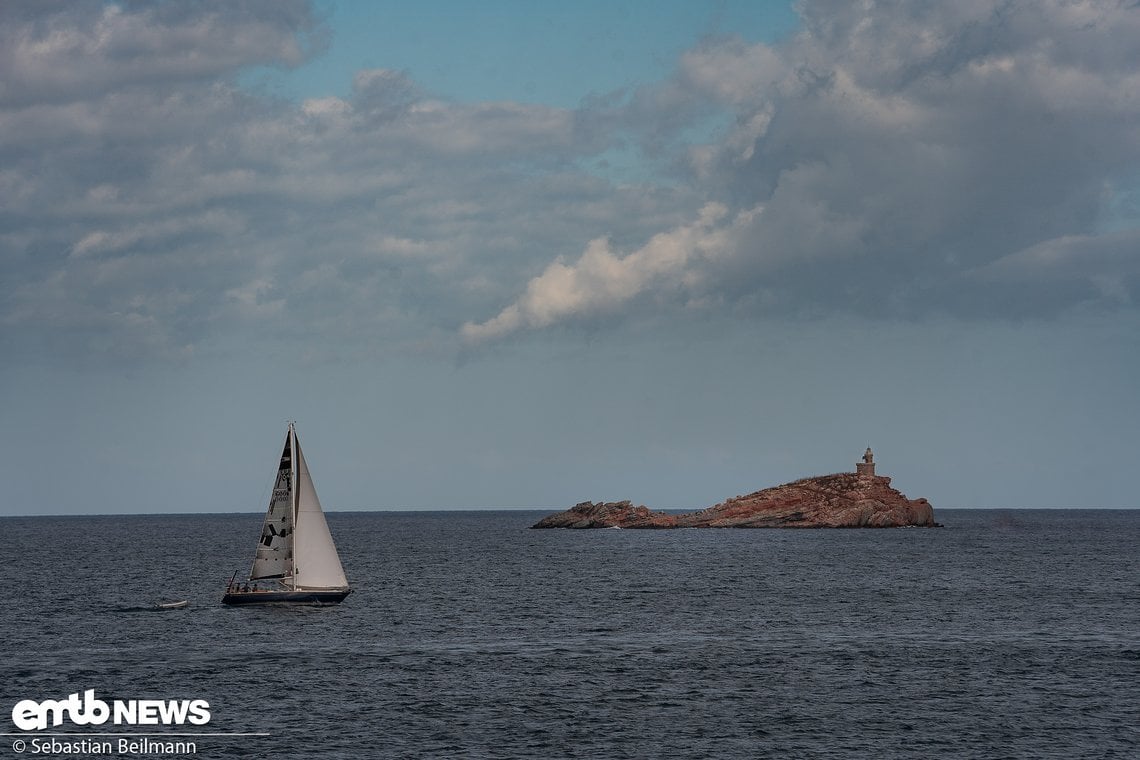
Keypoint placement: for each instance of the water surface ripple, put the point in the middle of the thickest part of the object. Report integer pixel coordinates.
(1005, 634)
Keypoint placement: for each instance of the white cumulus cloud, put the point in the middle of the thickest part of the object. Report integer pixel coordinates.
(602, 280)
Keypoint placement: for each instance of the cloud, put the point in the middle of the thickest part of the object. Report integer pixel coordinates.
(601, 281)
(899, 150)
(139, 178)
(74, 51)
(1092, 268)
(900, 153)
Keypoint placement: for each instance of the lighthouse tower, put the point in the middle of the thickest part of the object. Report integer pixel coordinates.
(867, 466)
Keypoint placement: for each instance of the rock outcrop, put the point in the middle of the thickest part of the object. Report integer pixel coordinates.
(843, 500)
(611, 514)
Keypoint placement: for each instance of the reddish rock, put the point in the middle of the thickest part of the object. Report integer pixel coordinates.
(612, 514)
(843, 500)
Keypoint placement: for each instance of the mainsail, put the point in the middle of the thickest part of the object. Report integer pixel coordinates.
(295, 543)
(274, 555)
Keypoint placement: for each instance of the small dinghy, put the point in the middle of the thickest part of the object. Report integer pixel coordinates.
(175, 605)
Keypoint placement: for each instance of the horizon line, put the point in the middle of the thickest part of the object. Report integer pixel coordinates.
(394, 510)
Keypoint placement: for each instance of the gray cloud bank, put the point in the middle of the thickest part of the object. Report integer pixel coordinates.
(896, 159)
(890, 159)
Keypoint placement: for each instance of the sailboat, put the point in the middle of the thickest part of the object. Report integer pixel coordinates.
(296, 560)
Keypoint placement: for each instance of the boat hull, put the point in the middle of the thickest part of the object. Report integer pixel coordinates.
(286, 597)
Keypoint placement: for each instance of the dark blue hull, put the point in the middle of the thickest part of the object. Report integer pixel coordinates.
(285, 597)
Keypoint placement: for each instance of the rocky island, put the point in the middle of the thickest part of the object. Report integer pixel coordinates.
(859, 499)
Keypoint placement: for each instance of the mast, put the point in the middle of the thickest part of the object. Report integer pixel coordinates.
(292, 578)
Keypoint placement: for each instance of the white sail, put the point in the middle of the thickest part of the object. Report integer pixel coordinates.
(274, 555)
(316, 563)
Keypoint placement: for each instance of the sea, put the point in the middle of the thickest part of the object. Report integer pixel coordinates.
(1004, 634)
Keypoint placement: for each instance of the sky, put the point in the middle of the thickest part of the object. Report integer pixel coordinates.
(523, 255)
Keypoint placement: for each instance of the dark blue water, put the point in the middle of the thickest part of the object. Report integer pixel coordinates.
(1005, 634)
